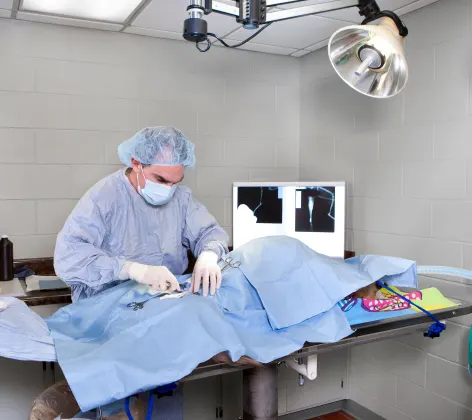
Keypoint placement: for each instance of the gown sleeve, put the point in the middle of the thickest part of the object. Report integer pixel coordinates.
(78, 257)
(202, 232)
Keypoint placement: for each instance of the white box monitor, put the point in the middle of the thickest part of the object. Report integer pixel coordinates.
(313, 212)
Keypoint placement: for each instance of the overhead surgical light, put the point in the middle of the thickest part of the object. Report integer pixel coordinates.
(369, 58)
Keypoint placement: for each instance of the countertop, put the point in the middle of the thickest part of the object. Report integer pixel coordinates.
(48, 297)
(42, 267)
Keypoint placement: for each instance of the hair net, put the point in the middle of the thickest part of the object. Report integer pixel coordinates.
(165, 146)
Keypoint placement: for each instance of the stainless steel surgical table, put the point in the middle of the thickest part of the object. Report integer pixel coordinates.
(260, 384)
(260, 392)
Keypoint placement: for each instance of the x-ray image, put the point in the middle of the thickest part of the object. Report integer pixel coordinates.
(314, 209)
(265, 202)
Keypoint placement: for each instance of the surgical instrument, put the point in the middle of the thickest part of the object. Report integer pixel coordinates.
(140, 305)
(230, 262)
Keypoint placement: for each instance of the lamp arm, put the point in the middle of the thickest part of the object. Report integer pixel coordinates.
(311, 10)
(222, 8)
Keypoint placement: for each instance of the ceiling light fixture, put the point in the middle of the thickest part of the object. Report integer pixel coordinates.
(101, 10)
(368, 57)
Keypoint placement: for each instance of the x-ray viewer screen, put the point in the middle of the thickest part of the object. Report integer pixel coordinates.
(311, 212)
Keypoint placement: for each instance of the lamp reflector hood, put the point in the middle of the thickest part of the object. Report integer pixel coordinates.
(370, 58)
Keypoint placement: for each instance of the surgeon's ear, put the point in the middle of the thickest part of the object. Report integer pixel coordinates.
(136, 165)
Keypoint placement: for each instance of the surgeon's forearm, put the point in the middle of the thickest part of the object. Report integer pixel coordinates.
(93, 275)
(86, 264)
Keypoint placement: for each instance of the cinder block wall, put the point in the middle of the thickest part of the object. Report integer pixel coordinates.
(69, 96)
(408, 162)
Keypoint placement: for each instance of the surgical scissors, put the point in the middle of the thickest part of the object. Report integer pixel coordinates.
(230, 262)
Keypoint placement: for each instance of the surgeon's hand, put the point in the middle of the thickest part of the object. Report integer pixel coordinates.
(156, 277)
(206, 274)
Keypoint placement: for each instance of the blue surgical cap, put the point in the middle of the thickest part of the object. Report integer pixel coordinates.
(165, 146)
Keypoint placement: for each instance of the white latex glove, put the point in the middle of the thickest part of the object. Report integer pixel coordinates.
(206, 274)
(156, 277)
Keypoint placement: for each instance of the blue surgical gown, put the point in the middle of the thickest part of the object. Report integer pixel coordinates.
(112, 224)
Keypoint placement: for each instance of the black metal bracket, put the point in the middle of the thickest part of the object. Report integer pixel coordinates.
(253, 12)
(371, 11)
(402, 29)
(368, 8)
(208, 7)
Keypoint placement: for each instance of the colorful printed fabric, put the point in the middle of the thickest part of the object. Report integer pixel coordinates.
(359, 312)
(393, 303)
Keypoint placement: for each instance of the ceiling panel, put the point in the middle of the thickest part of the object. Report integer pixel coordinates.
(169, 15)
(318, 45)
(415, 6)
(253, 46)
(295, 33)
(303, 3)
(300, 53)
(154, 33)
(295, 37)
(116, 11)
(33, 17)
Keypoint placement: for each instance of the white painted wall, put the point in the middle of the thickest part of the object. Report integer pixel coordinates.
(69, 96)
(408, 162)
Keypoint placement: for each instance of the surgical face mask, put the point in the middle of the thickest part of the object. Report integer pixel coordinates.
(154, 193)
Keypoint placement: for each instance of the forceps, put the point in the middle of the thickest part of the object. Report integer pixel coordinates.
(139, 305)
(230, 262)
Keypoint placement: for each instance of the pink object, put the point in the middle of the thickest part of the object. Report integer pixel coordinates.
(395, 303)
